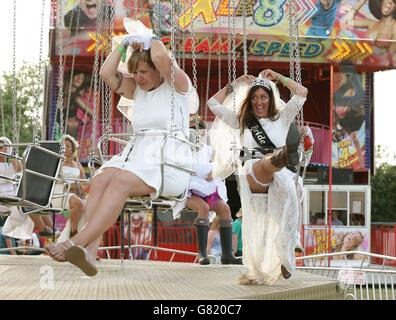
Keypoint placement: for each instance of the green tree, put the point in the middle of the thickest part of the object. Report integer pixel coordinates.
(383, 190)
(29, 106)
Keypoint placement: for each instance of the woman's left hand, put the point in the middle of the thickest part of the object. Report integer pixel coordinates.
(270, 75)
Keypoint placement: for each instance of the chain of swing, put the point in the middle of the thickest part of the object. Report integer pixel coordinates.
(294, 55)
(105, 30)
(37, 94)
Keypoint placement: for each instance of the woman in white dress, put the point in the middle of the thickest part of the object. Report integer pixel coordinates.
(18, 225)
(137, 171)
(208, 193)
(270, 223)
(72, 169)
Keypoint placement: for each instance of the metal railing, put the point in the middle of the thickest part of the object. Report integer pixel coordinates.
(376, 282)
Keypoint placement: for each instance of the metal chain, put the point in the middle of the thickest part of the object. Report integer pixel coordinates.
(294, 55)
(15, 135)
(229, 42)
(183, 51)
(96, 79)
(219, 55)
(194, 68)
(244, 38)
(157, 17)
(36, 108)
(129, 7)
(59, 103)
(107, 107)
(2, 112)
(232, 64)
(172, 120)
(233, 49)
(208, 74)
(135, 8)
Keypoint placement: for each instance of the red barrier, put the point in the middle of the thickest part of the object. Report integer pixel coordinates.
(170, 237)
(383, 241)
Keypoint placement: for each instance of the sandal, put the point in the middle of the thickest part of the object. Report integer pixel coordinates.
(49, 250)
(78, 256)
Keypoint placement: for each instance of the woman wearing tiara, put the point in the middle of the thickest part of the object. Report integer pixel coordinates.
(266, 125)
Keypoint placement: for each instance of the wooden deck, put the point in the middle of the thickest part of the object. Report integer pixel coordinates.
(39, 277)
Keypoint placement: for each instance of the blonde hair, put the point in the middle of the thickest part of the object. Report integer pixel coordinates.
(6, 143)
(74, 144)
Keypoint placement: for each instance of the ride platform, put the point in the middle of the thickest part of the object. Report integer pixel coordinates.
(39, 277)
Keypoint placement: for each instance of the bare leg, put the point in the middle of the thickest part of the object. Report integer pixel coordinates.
(223, 210)
(76, 208)
(98, 186)
(264, 172)
(38, 222)
(122, 185)
(198, 204)
(47, 221)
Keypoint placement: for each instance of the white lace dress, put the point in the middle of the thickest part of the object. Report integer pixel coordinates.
(270, 221)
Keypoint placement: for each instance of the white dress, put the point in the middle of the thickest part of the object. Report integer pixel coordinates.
(18, 225)
(202, 167)
(152, 110)
(6, 187)
(67, 173)
(270, 221)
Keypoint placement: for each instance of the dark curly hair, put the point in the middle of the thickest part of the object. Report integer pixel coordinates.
(375, 8)
(246, 115)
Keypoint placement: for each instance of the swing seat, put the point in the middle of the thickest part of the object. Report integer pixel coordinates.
(158, 202)
(167, 136)
(41, 163)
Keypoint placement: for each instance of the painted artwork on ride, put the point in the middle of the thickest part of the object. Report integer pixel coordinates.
(349, 121)
(342, 240)
(363, 31)
(77, 110)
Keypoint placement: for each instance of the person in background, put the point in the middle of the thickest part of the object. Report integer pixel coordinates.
(74, 203)
(214, 243)
(237, 232)
(335, 221)
(207, 193)
(140, 235)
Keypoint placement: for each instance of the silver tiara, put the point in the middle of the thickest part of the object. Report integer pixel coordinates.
(263, 82)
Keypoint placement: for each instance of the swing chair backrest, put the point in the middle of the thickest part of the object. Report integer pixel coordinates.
(41, 165)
